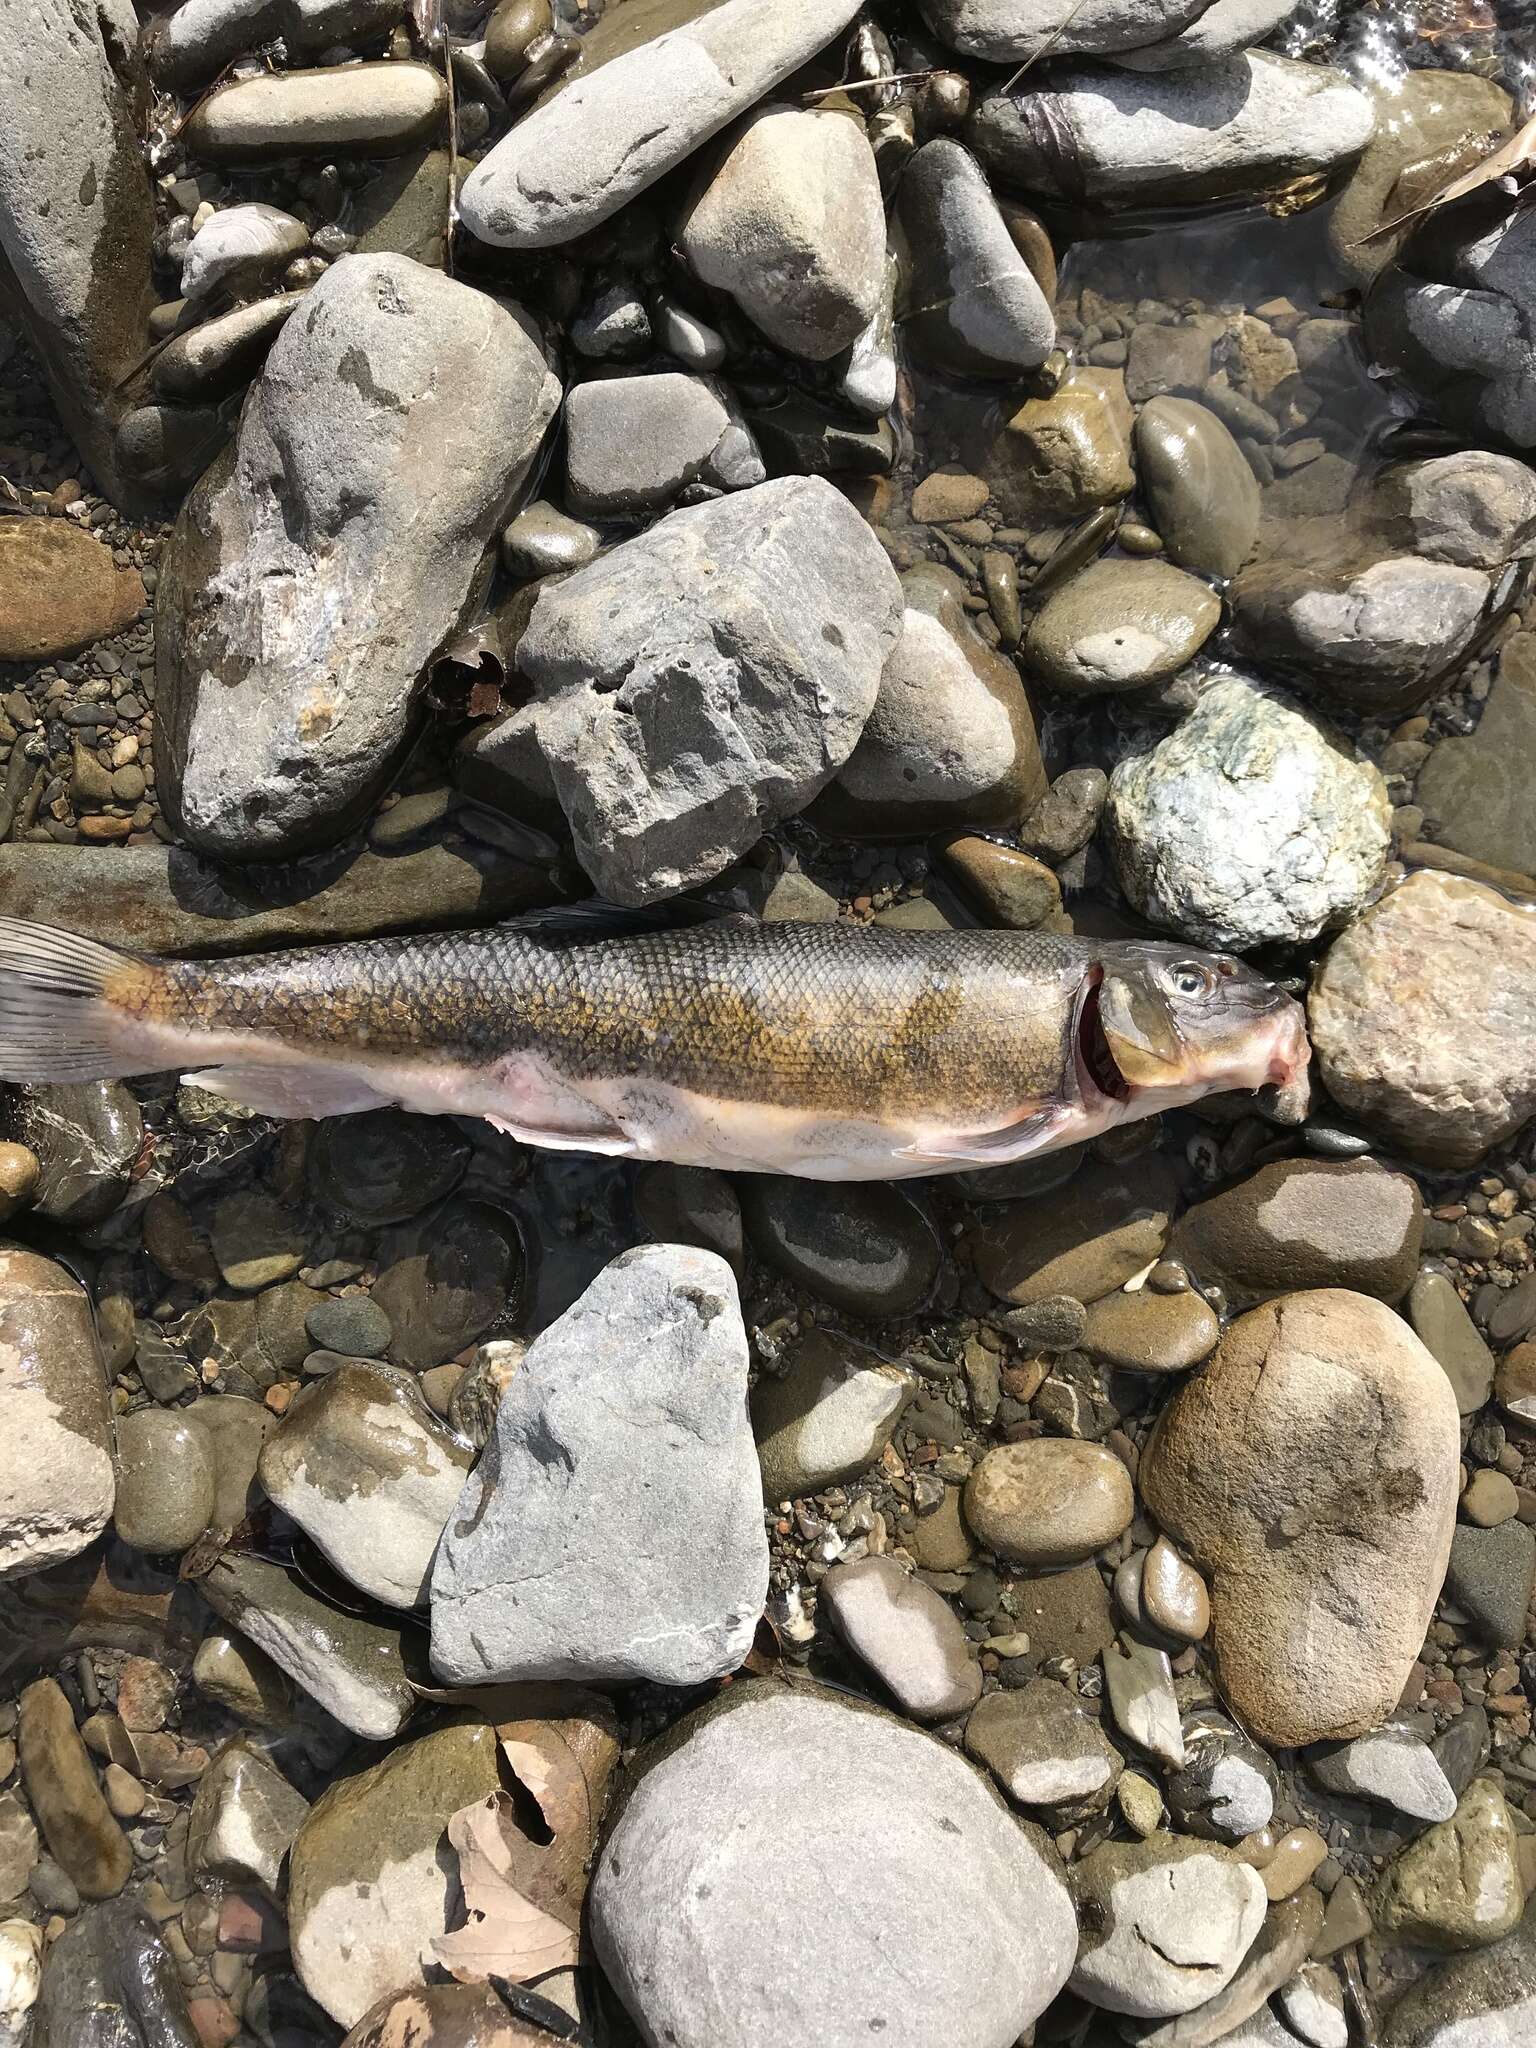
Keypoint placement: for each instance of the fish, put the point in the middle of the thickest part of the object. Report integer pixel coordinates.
(828, 1051)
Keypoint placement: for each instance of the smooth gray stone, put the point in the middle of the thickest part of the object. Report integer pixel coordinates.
(359, 110)
(633, 443)
(1001, 31)
(76, 218)
(327, 556)
(973, 1910)
(972, 301)
(1221, 30)
(607, 137)
(218, 356)
(1393, 1767)
(189, 48)
(613, 1529)
(1203, 496)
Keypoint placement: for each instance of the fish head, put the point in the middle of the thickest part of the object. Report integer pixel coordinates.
(1168, 1024)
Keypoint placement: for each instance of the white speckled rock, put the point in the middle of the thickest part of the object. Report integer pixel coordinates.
(1166, 1923)
(1392, 1767)
(1423, 1018)
(1311, 1470)
(708, 678)
(1241, 125)
(613, 1528)
(792, 225)
(1250, 823)
(56, 1480)
(972, 1906)
(238, 243)
(365, 1468)
(593, 147)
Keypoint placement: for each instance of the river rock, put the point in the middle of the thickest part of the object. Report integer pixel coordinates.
(1143, 1331)
(1060, 457)
(59, 590)
(188, 48)
(1045, 1749)
(244, 1819)
(1394, 1767)
(87, 1136)
(237, 247)
(707, 678)
(1203, 496)
(1048, 1500)
(906, 1633)
(1120, 625)
(865, 1247)
(243, 1679)
(633, 443)
(790, 224)
(1422, 1014)
(1249, 823)
(1482, 1999)
(647, 1558)
(1472, 790)
(220, 356)
(368, 501)
(1240, 126)
(56, 1483)
(111, 1965)
(1430, 125)
(444, 1278)
(1439, 1317)
(1166, 1923)
(972, 302)
(1085, 1240)
(951, 739)
(827, 1418)
(60, 1781)
(359, 110)
(1458, 1886)
(1457, 322)
(612, 132)
(76, 217)
(1489, 1578)
(1311, 1471)
(1305, 1223)
(372, 1880)
(353, 1667)
(165, 1480)
(1224, 28)
(1226, 1786)
(960, 1879)
(365, 1468)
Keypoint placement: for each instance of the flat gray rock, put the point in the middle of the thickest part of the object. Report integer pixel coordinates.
(972, 1907)
(76, 219)
(582, 155)
(324, 559)
(1001, 30)
(1391, 1767)
(1240, 126)
(613, 1529)
(633, 443)
(706, 679)
(1167, 1922)
(1221, 30)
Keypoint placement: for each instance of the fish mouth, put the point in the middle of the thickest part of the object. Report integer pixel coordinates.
(1099, 1079)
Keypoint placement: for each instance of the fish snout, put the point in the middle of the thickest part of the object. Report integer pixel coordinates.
(1286, 1092)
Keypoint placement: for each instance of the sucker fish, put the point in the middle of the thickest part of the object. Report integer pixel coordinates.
(831, 1051)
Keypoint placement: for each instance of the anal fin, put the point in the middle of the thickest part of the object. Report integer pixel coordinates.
(290, 1091)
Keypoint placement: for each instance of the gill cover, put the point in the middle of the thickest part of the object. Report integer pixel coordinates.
(1139, 1030)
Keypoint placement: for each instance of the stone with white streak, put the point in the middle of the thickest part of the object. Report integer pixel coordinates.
(613, 1528)
(610, 135)
(56, 1480)
(366, 1469)
(323, 560)
(1250, 823)
(707, 678)
(1392, 1767)
(238, 246)
(243, 1820)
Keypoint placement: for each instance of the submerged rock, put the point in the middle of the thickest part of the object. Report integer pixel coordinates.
(1057, 458)
(1311, 1470)
(1250, 823)
(321, 563)
(110, 1964)
(707, 678)
(1475, 791)
(972, 1904)
(1202, 493)
(56, 1480)
(582, 1550)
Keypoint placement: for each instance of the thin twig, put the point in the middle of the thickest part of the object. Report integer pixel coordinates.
(453, 135)
(1055, 36)
(821, 92)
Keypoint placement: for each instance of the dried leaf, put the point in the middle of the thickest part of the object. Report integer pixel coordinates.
(507, 1934)
(1511, 160)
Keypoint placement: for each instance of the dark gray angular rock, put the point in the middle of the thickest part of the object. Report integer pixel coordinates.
(110, 1982)
(613, 1529)
(972, 1905)
(323, 560)
(706, 679)
(1489, 1578)
(973, 304)
(76, 219)
(633, 443)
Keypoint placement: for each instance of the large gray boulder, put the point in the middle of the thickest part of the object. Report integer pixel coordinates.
(324, 559)
(613, 1529)
(972, 1910)
(1249, 823)
(1126, 138)
(76, 219)
(707, 678)
(611, 134)
(1002, 31)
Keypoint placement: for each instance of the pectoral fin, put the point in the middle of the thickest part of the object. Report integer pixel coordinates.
(1034, 1130)
(290, 1090)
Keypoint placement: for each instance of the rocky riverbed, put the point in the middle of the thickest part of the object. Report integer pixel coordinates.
(950, 464)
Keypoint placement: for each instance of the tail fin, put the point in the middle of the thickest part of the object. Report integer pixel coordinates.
(58, 1019)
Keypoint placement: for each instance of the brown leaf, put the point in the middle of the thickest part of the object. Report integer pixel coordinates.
(507, 1934)
(1512, 159)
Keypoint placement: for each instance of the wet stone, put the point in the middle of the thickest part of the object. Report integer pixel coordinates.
(255, 1240)
(239, 1677)
(56, 1480)
(1084, 1241)
(906, 1634)
(690, 1205)
(111, 1964)
(1045, 1750)
(352, 1324)
(1458, 1886)
(165, 1480)
(827, 1418)
(1227, 1787)
(61, 1785)
(1490, 1576)
(384, 1166)
(444, 1280)
(1064, 820)
(1012, 889)
(1203, 496)
(1057, 458)
(87, 1136)
(244, 1819)
(1173, 1595)
(863, 1246)
(1150, 1332)
(1139, 1681)
(1120, 625)
(365, 110)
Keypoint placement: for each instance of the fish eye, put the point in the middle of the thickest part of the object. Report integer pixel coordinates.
(1190, 979)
